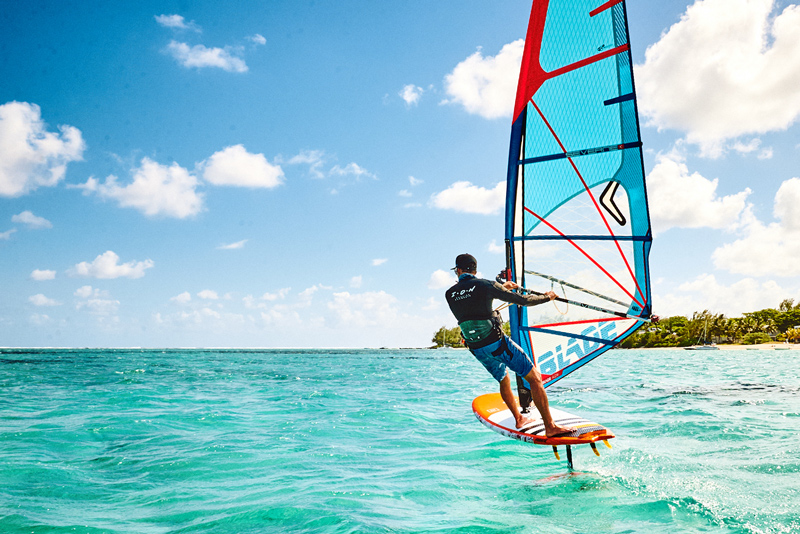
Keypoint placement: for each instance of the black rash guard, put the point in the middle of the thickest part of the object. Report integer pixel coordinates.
(471, 300)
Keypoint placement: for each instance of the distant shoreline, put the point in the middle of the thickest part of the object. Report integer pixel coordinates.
(760, 346)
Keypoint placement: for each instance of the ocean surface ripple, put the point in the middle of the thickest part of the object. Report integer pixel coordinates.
(251, 441)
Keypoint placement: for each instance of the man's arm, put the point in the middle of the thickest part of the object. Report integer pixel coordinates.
(501, 292)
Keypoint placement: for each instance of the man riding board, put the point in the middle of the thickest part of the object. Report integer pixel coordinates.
(470, 300)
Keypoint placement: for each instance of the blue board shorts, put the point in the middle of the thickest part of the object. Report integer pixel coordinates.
(501, 354)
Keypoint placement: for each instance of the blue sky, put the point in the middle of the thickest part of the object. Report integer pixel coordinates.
(303, 173)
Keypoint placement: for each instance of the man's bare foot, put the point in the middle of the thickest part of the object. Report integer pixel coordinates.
(524, 420)
(557, 430)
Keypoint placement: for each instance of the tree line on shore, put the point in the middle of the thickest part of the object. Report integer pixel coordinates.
(763, 326)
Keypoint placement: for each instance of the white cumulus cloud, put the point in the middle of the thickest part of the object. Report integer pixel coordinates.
(379, 261)
(183, 298)
(281, 316)
(208, 294)
(199, 56)
(235, 166)
(176, 22)
(156, 190)
(85, 292)
(98, 306)
(204, 318)
(278, 295)
(680, 199)
(307, 295)
(363, 310)
(251, 304)
(752, 146)
(411, 94)
(707, 293)
(257, 39)
(728, 68)
(41, 300)
(31, 220)
(351, 169)
(468, 198)
(494, 248)
(768, 249)
(7, 234)
(233, 246)
(486, 86)
(42, 274)
(441, 279)
(313, 158)
(30, 156)
(787, 204)
(107, 266)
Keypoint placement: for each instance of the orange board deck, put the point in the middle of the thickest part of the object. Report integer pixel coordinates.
(492, 412)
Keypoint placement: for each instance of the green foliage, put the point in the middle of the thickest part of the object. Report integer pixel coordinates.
(788, 320)
(447, 337)
(793, 335)
(755, 338)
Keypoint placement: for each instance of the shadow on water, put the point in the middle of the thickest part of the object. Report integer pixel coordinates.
(587, 481)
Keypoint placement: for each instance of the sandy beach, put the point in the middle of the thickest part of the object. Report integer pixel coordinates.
(761, 346)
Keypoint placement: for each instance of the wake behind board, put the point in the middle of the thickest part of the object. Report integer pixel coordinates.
(493, 412)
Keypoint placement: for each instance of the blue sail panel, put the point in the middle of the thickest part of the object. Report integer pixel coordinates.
(577, 220)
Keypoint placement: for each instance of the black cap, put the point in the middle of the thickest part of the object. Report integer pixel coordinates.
(466, 262)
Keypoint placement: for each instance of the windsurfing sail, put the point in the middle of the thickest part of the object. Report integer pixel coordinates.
(577, 221)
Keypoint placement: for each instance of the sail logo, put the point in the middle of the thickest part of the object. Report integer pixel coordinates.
(553, 361)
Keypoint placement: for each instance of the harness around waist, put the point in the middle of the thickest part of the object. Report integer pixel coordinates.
(474, 331)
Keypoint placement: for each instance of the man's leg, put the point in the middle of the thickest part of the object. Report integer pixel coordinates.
(520, 362)
(508, 397)
(539, 397)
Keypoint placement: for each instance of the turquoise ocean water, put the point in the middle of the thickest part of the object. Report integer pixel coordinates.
(247, 441)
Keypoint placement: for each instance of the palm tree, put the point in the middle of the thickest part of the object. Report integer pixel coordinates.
(717, 325)
(793, 335)
(749, 325)
(734, 328)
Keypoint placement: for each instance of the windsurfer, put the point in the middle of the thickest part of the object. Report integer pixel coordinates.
(470, 300)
